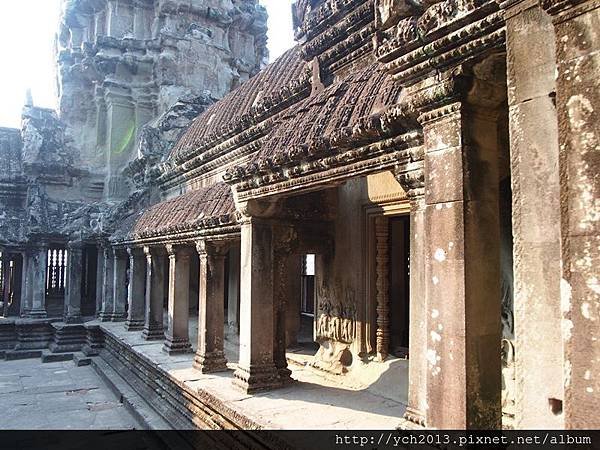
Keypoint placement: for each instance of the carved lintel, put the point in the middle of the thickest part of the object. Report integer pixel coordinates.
(382, 286)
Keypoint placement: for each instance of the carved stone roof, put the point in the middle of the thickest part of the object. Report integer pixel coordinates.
(204, 208)
(345, 115)
(248, 104)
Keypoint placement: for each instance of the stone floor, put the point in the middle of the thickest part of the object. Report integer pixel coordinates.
(371, 396)
(58, 395)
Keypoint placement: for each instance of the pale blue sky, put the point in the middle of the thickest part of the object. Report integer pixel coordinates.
(27, 29)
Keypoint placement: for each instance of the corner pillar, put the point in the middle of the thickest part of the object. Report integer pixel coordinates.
(462, 268)
(577, 98)
(256, 369)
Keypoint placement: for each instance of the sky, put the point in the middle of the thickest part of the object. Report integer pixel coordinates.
(27, 30)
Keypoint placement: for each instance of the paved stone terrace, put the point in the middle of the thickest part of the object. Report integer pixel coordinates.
(314, 402)
(58, 395)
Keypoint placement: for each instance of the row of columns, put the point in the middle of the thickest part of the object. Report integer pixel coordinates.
(265, 281)
(144, 294)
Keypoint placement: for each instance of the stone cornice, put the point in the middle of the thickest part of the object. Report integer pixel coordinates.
(448, 33)
(383, 155)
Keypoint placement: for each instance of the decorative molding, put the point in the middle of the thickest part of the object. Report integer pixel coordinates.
(382, 286)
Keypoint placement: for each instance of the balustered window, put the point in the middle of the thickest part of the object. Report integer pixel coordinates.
(56, 276)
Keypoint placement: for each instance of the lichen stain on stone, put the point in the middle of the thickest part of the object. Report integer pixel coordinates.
(565, 296)
(566, 327)
(440, 255)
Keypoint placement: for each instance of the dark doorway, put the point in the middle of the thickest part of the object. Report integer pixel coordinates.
(399, 252)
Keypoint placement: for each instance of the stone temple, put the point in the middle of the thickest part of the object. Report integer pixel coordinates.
(394, 224)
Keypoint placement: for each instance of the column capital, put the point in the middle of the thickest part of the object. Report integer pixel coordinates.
(212, 248)
(184, 251)
(135, 252)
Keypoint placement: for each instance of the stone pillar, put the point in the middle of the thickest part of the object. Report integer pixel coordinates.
(99, 279)
(38, 265)
(286, 293)
(577, 102)
(538, 376)
(26, 284)
(6, 281)
(462, 268)
(177, 336)
(210, 356)
(256, 370)
(119, 285)
(107, 284)
(155, 293)
(73, 287)
(233, 291)
(135, 290)
(412, 181)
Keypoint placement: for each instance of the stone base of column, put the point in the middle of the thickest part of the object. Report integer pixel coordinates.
(104, 316)
(116, 317)
(210, 362)
(414, 418)
(153, 333)
(176, 346)
(257, 378)
(285, 375)
(134, 325)
(68, 338)
(36, 314)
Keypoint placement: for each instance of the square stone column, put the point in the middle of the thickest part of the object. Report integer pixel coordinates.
(73, 286)
(108, 279)
(119, 285)
(37, 267)
(412, 181)
(210, 356)
(577, 39)
(531, 78)
(135, 289)
(155, 293)
(256, 370)
(99, 279)
(26, 284)
(462, 268)
(177, 336)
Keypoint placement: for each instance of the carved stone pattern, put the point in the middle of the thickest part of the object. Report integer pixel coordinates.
(382, 286)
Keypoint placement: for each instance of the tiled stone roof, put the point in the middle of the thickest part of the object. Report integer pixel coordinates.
(344, 115)
(208, 207)
(245, 105)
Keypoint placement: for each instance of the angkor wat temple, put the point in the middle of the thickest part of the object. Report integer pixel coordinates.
(399, 217)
